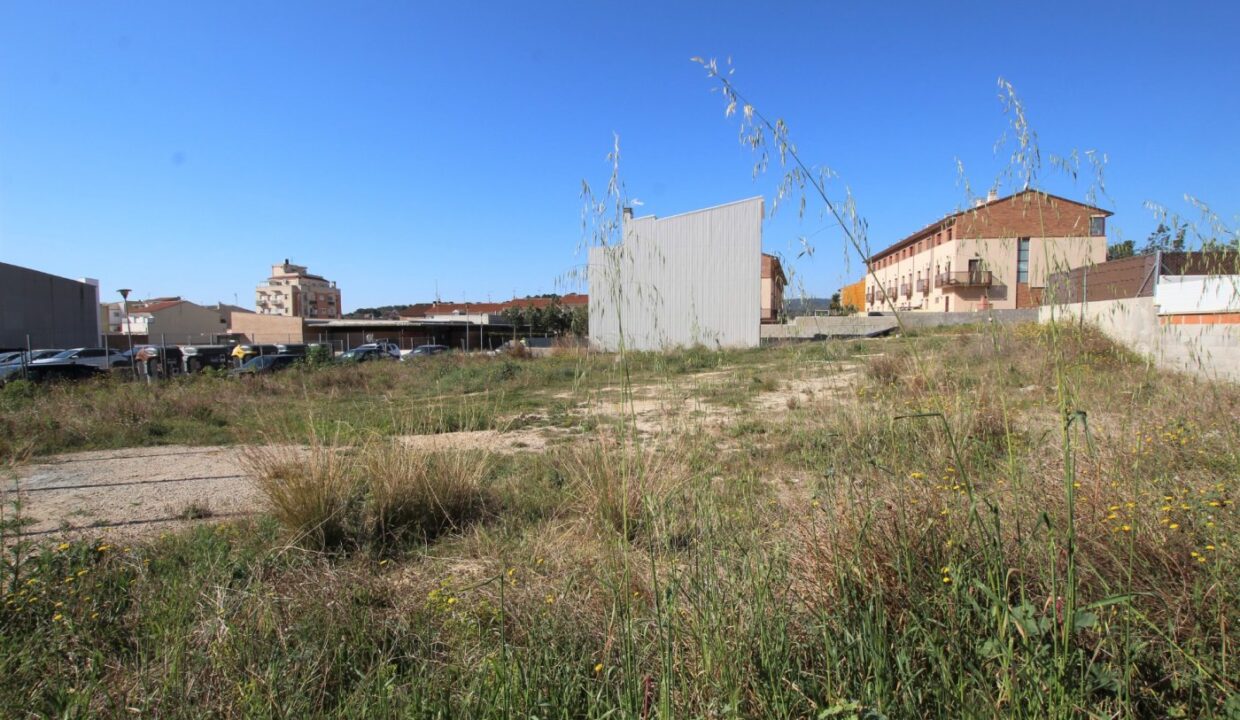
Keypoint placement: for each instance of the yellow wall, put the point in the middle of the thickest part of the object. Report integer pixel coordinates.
(854, 295)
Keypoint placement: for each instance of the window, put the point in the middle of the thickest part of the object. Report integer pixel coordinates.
(1097, 226)
(1022, 260)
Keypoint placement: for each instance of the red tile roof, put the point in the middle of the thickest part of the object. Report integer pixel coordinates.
(153, 306)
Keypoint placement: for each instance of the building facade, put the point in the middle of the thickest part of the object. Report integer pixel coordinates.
(46, 311)
(996, 255)
(853, 296)
(773, 283)
(292, 291)
(679, 281)
(174, 321)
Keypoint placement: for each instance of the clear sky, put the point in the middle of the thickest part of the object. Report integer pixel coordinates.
(181, 148)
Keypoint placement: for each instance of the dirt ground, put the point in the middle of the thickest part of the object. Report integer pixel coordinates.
(134, 491)
(138, 492)
(143, 491)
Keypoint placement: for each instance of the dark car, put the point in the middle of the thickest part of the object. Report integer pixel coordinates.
(265, 364)
(49, 372)
(242, 353)
(426, 350)
(155, 361)
(298, 349)
(364, 354)
(195, 358)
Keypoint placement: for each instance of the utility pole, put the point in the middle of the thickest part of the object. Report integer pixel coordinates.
(133, 368)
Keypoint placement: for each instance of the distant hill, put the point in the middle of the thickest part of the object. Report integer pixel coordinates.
(383, 312)
(805, 306)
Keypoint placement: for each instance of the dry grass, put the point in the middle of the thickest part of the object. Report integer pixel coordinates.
(623, 484)
(382, 494)
(916, 549)
(311, 492)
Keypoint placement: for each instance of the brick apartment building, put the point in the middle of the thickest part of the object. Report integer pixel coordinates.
(996, 255)
(773, 283)
(292, 291)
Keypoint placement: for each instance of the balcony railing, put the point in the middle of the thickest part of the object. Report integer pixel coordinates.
(923, 286)
(968, 278)
(906, 289)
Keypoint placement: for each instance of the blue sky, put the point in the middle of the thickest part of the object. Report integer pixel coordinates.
(182, 148)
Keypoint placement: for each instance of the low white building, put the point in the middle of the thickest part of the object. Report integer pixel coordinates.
(680, 281)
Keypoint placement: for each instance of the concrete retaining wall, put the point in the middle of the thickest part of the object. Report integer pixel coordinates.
(810, 327)
(1208, 350)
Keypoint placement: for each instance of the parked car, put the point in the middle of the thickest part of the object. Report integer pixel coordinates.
(195, 358)
(242, 353)
(511, 347)
(424, 351)
(390, 349)
(48, 372)
(155, 361)
(298, 349)
(35, 355)
(263, 364)
(363, 353)
(102, 358)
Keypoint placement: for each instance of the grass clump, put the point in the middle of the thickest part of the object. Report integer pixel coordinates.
(381, 495)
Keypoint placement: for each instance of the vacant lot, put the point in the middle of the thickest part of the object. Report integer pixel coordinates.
(985, 522)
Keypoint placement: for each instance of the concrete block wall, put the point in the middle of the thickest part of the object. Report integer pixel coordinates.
(1209, 350)
(808, 327)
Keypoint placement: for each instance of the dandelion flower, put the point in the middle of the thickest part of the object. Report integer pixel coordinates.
(598, 668)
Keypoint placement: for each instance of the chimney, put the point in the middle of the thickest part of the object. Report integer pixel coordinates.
(628, 213)
(992, 195)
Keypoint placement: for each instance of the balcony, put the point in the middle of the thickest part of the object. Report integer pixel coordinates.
(923, 286)
(968, 278)
(906, 289)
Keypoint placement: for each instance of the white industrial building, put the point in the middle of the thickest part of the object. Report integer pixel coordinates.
(680, 281)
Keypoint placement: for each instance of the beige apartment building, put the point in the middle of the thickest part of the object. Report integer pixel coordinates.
(292, 291)
(995, 255)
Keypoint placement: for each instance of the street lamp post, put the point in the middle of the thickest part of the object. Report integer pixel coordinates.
(133, 368)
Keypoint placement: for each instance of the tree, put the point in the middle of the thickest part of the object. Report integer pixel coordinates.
(1165, 239)
(1123, 249)
(579, 321)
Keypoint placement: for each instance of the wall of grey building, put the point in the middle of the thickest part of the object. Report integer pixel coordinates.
(680, 281)
(47, 310)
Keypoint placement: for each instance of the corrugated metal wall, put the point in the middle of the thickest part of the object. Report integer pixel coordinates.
(684, 280)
